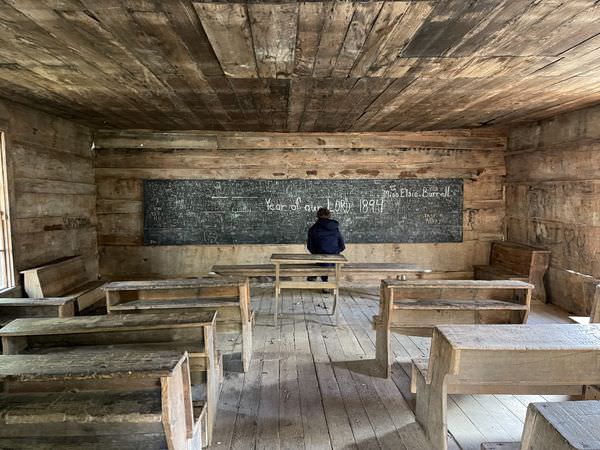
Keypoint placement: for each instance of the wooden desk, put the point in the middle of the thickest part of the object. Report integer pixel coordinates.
(415, 307)
(558, 426)
(229, 296)
(133, 333)
(65, 277)
(108, 396)
(527, 356)
(303, 258)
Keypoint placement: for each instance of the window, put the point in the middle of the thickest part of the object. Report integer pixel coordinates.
(7, 276)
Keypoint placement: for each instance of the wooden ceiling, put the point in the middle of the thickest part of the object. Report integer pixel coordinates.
(300, 66)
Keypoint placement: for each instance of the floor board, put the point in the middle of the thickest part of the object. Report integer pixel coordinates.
(310, 386)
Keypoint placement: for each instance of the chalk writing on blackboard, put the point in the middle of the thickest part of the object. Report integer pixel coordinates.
(186, 212)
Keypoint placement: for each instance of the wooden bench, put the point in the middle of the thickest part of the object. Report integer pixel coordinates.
(14, 308)
(229, 296)
(191, 332)
(66, 277)
(415, 307)
(557, 426)
(99, 399)
(512, 261)
(378, 270)
(535, 359)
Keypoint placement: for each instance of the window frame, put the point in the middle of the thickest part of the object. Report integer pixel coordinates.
(6, 250)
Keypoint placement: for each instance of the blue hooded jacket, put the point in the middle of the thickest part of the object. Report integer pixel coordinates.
(324, 237)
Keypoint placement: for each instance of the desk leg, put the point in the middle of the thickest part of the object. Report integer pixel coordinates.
(430, 413)
(277, 293)
(336, 291)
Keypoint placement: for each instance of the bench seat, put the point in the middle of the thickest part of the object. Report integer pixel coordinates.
(146, 441)
(458, 304)
(199, 303)
(269, 269)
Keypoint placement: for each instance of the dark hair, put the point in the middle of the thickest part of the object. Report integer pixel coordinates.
(323, 212)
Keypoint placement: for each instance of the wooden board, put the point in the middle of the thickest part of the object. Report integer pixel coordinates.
(95, 324)
(22, 368)
(137, 285)
(457, 284)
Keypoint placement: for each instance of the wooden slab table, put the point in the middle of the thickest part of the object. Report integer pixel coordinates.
(134, 333)
(558, 426)
(107, 397)
(303, 258)
(229, 296)
(490, 356)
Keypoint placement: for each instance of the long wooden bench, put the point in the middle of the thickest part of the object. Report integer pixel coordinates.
(512, 261)
(415, 307)
(191, 332)
(65, 277)
(14, 308)
(229, 296)
(107, 399)
(557, 426)
(535, 359)
(378, 270)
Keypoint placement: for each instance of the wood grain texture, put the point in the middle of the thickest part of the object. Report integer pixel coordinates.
(51, 187)
(125, 158)
(552, 198)
(289, 66)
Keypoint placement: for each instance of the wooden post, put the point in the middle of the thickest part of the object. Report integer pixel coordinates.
(382, 342)
(336, 291)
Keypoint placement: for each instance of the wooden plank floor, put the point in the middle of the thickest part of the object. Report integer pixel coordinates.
(309, 386)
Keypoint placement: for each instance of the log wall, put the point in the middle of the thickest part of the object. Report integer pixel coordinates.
(51, 187)
(124, 159)
(553, 200)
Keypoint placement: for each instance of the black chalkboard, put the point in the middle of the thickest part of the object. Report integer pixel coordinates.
(183, 212)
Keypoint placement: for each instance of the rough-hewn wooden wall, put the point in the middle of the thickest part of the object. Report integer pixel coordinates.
(52, 191)
(124, 159)
(553, 200)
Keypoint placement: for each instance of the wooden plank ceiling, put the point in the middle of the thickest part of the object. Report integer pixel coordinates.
(300, 66)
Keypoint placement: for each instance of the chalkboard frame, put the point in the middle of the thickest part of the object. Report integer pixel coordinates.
(172, 235)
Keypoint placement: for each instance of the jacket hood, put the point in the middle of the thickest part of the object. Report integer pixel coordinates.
(328, 224)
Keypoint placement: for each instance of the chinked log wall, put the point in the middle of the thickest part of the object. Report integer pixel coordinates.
(125, 158)
(553, 200)
(51, 186)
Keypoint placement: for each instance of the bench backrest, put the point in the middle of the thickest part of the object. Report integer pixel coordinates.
(56, 278)
(512, 291)
(518, 258)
